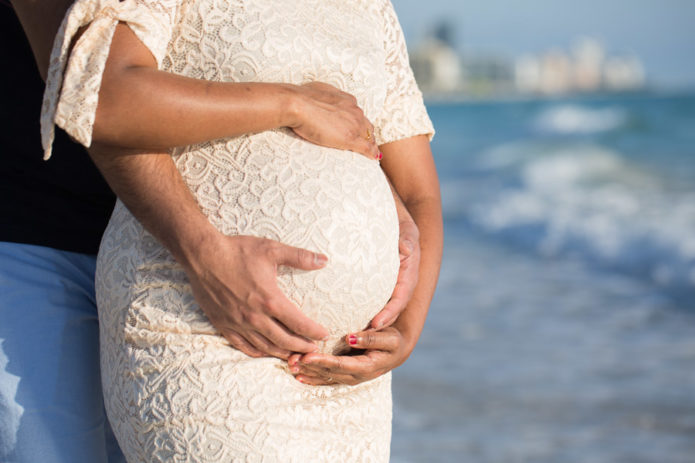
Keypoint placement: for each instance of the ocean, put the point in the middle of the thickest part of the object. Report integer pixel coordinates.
(563, 327)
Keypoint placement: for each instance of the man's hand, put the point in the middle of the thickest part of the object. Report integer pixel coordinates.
(383, 351)
(234, 282)
(409, 251)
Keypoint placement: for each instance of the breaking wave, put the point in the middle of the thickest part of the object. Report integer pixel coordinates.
(570, 119)
(583, 201)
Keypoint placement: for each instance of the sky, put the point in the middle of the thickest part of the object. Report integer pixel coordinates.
(660, 32)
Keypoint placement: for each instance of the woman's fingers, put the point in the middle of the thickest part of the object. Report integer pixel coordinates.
(330, 117)
(370, 149)
(316, 376)
(408, 272)
(383, 351)
(351, 373)
(338, 364)
(385, 340)
(318, 381)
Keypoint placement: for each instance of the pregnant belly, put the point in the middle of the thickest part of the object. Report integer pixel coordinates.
(277, 186)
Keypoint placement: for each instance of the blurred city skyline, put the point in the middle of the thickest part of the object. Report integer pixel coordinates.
(660, 33)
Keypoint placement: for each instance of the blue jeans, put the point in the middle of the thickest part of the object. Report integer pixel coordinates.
(51, 404)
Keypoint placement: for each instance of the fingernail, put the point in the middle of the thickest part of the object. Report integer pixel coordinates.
(294, 369)
(379, 156)
(409, 245)
(378, 325)
(352, 339)
(300, 380)
(320, 259)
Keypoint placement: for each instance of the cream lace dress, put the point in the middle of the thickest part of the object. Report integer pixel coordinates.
(176, 391)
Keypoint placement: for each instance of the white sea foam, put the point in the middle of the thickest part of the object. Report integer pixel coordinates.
(589, 201)
(575, 119)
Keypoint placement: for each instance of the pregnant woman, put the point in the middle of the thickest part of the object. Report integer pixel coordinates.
(174, 389)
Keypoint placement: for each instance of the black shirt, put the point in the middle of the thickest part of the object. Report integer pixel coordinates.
(62, 203)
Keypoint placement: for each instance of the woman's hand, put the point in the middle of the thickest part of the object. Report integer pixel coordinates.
(409, 253)
(384, 350)
(416, 182)
(327, 116)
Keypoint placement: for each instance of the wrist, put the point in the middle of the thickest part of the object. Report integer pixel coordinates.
(291, 103)
(191, 246)
(409, 331)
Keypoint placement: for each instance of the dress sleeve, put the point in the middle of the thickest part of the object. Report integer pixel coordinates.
(404, 114)
(74, 76)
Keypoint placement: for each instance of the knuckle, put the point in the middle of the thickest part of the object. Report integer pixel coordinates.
(272, 306)
(252, 318)
(252, 352)
(270, 249)
(233, 318)
(303, 256)
(233, 339)
(369, 339)
(260, 344)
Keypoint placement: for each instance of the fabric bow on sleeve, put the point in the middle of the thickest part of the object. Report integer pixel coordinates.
(74, 75)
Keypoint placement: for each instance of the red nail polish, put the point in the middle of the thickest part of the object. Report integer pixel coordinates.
(380, 156)
(352, 340)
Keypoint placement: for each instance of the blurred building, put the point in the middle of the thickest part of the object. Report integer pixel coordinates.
(622, 73)
(441, 71)
(437, 66)
(486, 75)
(527, 72)
(556, 72)
(586, 69)
(588, 57)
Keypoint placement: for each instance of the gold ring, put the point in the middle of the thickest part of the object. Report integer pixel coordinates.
(369, 135)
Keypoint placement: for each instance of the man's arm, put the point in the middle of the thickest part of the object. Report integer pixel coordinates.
(233, 277)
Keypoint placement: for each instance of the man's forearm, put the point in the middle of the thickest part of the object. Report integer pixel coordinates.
(153, 190)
